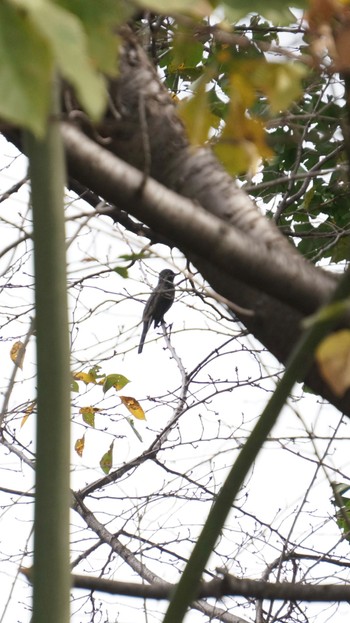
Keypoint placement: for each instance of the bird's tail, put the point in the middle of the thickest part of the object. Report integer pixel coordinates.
(143, 336)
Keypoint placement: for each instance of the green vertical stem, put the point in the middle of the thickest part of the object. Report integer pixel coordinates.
(51, 575)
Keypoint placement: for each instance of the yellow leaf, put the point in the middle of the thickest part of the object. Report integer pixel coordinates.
(281, 82)
(333, 359)
(29, 410)
(196, 115)
(17, 354)
(107, 460)
(236, 158)
(134, 407)
(86, 377)
(241, 90)
(88, 414)
(242, 142)
(79, 446)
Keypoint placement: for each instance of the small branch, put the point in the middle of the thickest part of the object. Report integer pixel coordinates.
(289, 200)
(14, 189)
(316, 171)
(117, 215)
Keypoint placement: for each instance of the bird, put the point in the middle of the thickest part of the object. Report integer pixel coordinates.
(158, 303)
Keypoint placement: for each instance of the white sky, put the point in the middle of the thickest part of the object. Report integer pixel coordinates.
(105, 317)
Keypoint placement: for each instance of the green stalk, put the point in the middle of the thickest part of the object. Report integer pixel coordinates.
(51, 576)
(297, 367)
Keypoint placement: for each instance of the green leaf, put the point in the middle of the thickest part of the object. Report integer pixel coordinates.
(95, 372)
(342, 515)
(281, 82)
(199, 8)
(308, 197)
(100, 20)
(277, 11)
(66, 37)
(187, 51)
(307, 390)
(25, 71)
(118, 381)
(341, 251)
(135, 431)
(74, 386)
(88, 414)
(196, 114)
(122, 271)
(107, 460)
(134, 257)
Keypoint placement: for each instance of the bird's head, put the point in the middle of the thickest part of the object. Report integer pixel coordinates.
(167, 275)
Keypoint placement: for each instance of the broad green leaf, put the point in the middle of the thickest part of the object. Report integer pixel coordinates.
(118, 381)
(25, 71)
(343, 521)
(277, 11)
(74, 386)
(107, 460)
(100, 20)
(198, 8)
(66, 38)
(343, 504)
(341, 251)
(95, 372)
(122, 271)
(88, 414)
(308, 197)
(187, 51)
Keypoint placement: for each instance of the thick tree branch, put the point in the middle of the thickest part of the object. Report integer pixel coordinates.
(158, 134)
(195, 230)
(221, 587)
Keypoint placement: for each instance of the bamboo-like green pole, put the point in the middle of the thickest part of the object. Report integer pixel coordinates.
(51, 575)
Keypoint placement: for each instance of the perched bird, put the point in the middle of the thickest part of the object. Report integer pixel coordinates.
(158, 303)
